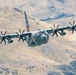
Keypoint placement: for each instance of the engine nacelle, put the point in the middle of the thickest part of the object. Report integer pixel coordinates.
(63, 33)
(10, 41)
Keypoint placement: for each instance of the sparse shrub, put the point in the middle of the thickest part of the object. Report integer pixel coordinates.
(14, 72)
(18, 10)
(5, 69)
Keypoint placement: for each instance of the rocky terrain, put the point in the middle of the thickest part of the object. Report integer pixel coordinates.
(57, 57)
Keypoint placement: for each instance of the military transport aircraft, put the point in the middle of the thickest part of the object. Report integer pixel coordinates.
(36, 38)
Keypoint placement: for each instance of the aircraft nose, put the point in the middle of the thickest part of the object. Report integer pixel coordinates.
(44, 38)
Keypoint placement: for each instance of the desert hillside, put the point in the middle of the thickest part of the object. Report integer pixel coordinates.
(57, 57)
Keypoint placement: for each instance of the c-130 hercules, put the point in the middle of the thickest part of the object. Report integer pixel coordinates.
(36, 38)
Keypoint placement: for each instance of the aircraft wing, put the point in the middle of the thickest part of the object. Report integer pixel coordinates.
(61, 30)
(21, 36)
(17, 35)
(58, 29)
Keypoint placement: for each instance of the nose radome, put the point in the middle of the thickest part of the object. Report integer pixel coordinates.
(44, 38)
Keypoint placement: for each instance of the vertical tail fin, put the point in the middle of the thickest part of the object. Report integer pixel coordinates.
(26, 21)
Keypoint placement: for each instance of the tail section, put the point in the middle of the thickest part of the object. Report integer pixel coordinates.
(27, 24)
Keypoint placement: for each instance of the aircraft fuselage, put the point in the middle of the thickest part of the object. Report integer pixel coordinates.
(37, 38)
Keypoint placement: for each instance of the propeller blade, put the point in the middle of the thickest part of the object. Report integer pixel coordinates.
(2, 37)
(54, 25)
(57, 26)
(55, 31)
(72, 31)
(51, 28)
(17, 33)
(1, 33)
(73, 22)
(23, 40)
(59, 32)
(20, 35)
(5, 41)
(23, 31)
(1, 41)
(72, 28)
(5, 32)
(25, 37)
(19, 39)
(53, 34)
(56, 34)
(70, 23)
(20, 31)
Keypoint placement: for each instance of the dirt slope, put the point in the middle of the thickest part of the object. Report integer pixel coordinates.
(18, 58)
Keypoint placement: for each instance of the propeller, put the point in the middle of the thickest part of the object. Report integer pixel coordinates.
(72, 28)
(2, 37)
(20, 35)
(54, 30)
